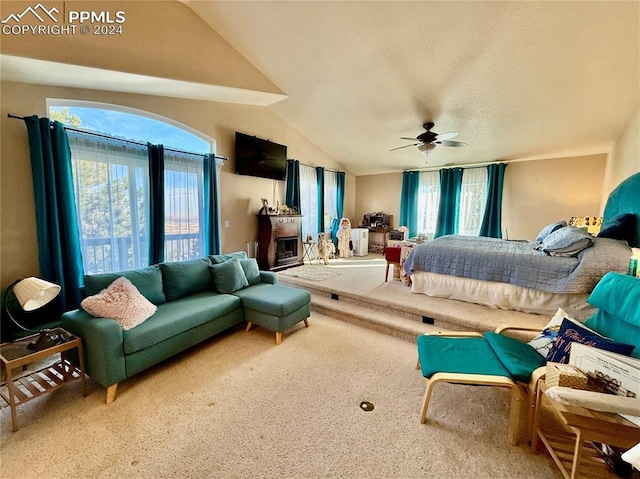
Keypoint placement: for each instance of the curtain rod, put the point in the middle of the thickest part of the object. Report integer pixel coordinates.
(217, 157)
(311, 166)
(464, 167)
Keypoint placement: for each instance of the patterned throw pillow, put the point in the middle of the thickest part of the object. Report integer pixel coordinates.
(542, 342)
(571, 332)
(122, 302)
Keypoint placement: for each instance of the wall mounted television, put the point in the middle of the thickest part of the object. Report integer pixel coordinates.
(257, 157)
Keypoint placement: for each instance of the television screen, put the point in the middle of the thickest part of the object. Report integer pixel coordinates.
(257, 157)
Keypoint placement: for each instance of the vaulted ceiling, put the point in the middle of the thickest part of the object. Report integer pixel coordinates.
(517, 80)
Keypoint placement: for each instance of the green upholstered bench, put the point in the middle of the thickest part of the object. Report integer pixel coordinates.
(277, 308)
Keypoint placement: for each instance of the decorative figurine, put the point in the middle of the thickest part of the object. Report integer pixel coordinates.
(344, 238)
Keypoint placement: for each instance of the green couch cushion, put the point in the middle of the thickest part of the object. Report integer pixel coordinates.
(617, 297)
(221, 258)
(251, 270)
(252, 288)
(466, 355)
(277, 300)
(177, 316)
(228, 276)
(182, 278)
(517, 357)
(148, 281)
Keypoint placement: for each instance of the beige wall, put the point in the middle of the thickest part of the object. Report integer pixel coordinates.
(240, 195)
(378, 193)
(624, 158)
(535, 193)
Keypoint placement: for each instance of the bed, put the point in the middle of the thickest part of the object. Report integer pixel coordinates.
(513, 275)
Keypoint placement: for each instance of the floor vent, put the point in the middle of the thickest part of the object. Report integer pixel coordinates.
(366, 406)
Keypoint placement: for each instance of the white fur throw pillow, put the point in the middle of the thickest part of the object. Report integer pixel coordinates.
(121, 301)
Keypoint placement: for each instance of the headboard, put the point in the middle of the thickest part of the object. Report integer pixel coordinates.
(625, 199)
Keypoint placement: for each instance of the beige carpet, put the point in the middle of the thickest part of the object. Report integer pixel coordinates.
(237, 406)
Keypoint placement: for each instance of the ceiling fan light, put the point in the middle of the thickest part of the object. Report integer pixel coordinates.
(426, 147)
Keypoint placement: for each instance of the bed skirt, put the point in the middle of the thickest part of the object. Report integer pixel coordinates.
(500, 295)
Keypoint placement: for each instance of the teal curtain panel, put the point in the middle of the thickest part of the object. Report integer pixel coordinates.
(156, 204)
(450, 185)
(335, 224)
(409, 201)
(292, 192)
(492, 220)
(320, 190)
(56, 216)
(211, 223)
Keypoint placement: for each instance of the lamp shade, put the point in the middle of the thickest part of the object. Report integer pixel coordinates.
(33, 293)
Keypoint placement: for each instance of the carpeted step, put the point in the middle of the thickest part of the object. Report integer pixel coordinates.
(387, 322)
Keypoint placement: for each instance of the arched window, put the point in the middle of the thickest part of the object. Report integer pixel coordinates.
(115, 191)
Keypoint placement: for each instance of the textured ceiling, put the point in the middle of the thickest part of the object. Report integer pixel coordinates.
(517, 80)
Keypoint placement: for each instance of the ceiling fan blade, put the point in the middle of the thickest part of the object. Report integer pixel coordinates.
(446, 136)
(406, 138)
(405, 146)
(449, 143)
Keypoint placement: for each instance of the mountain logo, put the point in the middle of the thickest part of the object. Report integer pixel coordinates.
(39, 11)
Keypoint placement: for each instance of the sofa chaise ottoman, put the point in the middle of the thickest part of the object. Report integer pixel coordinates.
(277, 308)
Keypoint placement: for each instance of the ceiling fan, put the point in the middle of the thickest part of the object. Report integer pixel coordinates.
(428, 140)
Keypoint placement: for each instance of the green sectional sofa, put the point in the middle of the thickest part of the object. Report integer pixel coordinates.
(195, 300)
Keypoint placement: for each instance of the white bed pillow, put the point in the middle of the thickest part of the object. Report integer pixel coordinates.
(550, 228)
(567, 241)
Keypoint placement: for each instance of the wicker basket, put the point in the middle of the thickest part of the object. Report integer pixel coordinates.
(565, 375)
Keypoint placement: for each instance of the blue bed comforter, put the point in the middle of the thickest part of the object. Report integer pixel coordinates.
(517, 263)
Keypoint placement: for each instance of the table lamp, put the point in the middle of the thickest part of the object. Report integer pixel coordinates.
(33, 293)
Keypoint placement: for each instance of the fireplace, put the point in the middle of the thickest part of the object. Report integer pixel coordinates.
(279, 241)
(286, 250)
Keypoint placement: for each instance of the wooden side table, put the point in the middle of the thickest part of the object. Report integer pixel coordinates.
(567, 432)
(18, 390)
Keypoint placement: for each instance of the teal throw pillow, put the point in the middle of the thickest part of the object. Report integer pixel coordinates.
(228, 276)
(251, 270)
(182, 278)
(147, 280)
(221, 258)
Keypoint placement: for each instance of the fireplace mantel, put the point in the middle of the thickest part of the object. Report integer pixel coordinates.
(279, 241)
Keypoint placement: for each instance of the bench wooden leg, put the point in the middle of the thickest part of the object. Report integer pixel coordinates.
(306, 323)
(111, 393)
(425, 404)
(278, 339)
(249, 324)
